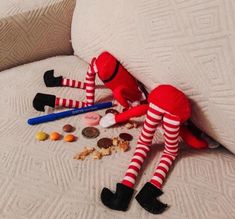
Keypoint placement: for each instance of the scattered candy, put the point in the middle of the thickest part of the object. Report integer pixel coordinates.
(68, 128)
(91, 119)
(126, 136)
(54, 136)
(105, 143)
(41, 136)
(69, 138)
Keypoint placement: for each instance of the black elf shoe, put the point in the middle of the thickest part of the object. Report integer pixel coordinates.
(147, 199)
(118, 200)
(50, 80)
(42, 100)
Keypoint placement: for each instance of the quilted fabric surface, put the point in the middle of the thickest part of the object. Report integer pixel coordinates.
(186, 43)
(34, 30)
(42, 180)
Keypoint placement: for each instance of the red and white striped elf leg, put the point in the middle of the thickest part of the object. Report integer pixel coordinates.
(73, 83)
(68, 103)
(153, 118)
(90, 83)
(171, 126)
(89, 86)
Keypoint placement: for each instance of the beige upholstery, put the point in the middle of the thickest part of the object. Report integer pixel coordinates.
(42, 180)
(189, 44)
(33, 30)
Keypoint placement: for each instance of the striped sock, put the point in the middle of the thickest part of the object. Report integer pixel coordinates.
(171, 126)
(90, 83)
(153, 118)
(73, 83)
(89, 86)
(68, 103)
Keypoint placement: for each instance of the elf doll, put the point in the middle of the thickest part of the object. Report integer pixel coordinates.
(123, 85)
(169, 107)
(125, 89)
(166, 106)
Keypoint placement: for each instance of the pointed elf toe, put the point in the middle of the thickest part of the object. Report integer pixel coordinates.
(50, 80)
(119, 200)
(147, 198)
(42, 100)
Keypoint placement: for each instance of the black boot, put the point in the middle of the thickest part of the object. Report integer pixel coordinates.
(118, 200)
(147, 199)
(42, 100)
(50, 80)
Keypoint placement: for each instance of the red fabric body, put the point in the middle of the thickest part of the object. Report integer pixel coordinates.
(192, 140)
(124, 86)
(171, 100)
(132, 112)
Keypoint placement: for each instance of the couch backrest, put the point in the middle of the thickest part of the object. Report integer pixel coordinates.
(189, 44)
(34, 30)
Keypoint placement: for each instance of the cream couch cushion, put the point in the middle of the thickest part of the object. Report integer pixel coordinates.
(34, 30)
(189, 44)
(42, 180)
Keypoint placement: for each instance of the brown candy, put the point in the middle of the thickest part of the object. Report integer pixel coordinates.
(126, 136)
(113, 111)
(68, 128)
(105, 143)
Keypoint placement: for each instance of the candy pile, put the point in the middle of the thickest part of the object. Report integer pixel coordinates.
(54, 136)
(106, 146)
